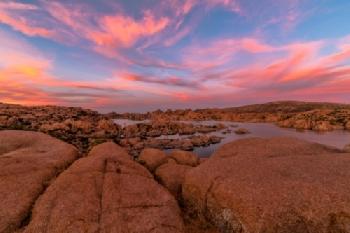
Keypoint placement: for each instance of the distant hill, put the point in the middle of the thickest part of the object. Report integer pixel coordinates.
(286, 106)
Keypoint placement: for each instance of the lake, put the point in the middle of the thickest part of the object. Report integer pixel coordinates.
(336, 138)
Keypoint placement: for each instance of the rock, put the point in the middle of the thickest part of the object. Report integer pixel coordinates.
(185, 157)
(220, 126)
(134, 141)
(347, 148)
(154, 133)
(347, 126)
(187, 145)
(227, 131)
(139, 146)
(272, 185)
(202, 160)
(214, 139)
(85, 126)
(206, 129)
(322, 126)
(200, 140)
(302, 124)
(54, 127)
(242, 131)
(81, 125)
(171, 175)
(108, 126)
(272, 147)
(152, 158)
(106, 192)
(131, 131)
(187, 130)
(171, 160)
(28, 163)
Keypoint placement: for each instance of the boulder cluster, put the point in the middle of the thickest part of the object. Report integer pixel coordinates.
(319, 120)
(85, 128)
(187, 136)
(254, 185)
(81, 127)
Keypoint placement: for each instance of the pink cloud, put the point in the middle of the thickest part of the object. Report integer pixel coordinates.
(17, 6)
(214, 54)
(25, 78)
(74, 23)
(124, 31)
(296, 72)
(21, 24)
(72, 16)
(168, 81)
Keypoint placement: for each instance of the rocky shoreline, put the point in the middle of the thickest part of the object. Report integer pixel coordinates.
(276, 185)
(85, 128)
(290, 114)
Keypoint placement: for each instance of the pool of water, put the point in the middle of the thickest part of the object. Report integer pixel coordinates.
(336, 138)
(127, 122)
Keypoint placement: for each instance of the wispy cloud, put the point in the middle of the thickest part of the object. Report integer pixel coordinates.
(168, 81)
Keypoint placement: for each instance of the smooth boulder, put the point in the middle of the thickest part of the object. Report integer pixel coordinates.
(29, 161)
(171, 175)
(185, 157)
(347, 148)
(273, 147)
(152, 158)
(106, 192)
(347, 125)
(275, 185)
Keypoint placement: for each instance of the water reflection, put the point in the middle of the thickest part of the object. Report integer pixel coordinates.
(127, 122)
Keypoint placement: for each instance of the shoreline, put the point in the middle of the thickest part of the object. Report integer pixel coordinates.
(85, 128)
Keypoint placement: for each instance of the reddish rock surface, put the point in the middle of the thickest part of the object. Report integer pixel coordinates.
(276, 185)
(106, 192)
(152, 158)
(276, 146)
(28, 163)
(171, 175)
(347, 126)
(185, 157)
(241, 131)
(347, 148)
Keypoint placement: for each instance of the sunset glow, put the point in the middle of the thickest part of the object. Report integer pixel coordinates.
(144, 55)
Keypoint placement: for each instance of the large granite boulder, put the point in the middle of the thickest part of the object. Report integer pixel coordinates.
(347, 125)
(171, 175)
(152, 158)
(347, 148)
(29, 161)
(185, 157)
(275, 185)
(272, 147)
(106, 192)
(323, 126)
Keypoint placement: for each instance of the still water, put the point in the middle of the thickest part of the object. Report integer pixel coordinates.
(336, 138)
(127, 122)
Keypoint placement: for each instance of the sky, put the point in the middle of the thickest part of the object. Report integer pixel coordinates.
(136, 56)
